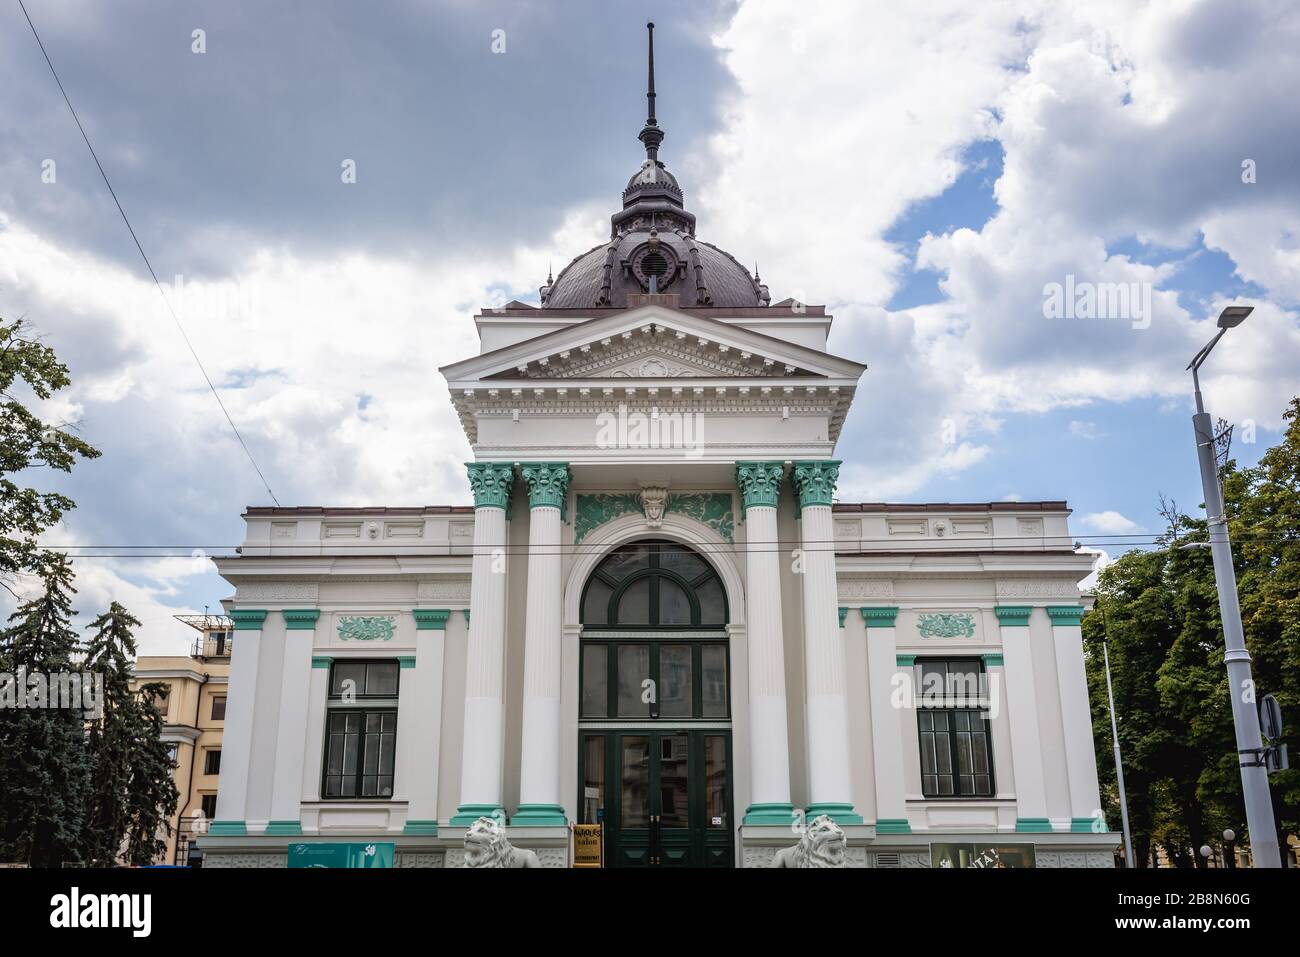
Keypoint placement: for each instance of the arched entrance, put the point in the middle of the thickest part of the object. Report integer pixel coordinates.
(654, 721)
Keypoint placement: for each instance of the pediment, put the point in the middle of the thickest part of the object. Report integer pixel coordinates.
(655, 355)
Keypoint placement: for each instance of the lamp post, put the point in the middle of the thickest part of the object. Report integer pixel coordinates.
(1254, 775)
(1229, 849)
(1119, 762)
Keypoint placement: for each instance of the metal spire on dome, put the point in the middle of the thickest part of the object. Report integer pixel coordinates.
(651, 135)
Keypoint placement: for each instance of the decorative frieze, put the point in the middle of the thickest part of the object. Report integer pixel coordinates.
(861, 589)
(713, 509)
(367, 628)
(945, 626)
(452, 589)
(1038, 588)
(279, 591)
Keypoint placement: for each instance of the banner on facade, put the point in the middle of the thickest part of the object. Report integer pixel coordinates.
(588, 842)
(340, 855)
(982, 855)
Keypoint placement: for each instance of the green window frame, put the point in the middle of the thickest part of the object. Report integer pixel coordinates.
(360, 748)
(608, 692)
(665, 573)
(954, 735)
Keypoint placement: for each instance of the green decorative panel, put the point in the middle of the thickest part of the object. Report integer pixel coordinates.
(815, 482)
(893, 825)
(1013, 616)
(1033, 825)
(548, 482)
(491, 483)
(1065, 614)
(367, 628)
(993, 661)
(431, 619)
(904, 661)
(406, 661)
(300, 619)
(713, 509)
(759, 483)
(592, 511)
(882, 617)
(844, 613)
(945, 626)
(248, 619)
(321, 661)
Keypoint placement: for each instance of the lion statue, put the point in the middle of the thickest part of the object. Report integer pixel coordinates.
(486, 846)
(822, 845)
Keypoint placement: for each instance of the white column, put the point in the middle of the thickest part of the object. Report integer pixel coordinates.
(291, 731)
(539, 774)
(883, 667)
(1022, 719)
(480, 782)
(237, 734)
(769, 741)
(1080, 759)
(314, 750)
(419, 722)
(829, 780)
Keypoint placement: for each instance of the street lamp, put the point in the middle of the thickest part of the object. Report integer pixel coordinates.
(1229, 849)
(1250, 754)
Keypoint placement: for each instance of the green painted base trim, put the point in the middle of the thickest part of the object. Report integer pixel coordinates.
(1033, 825)
(539, 815)
(228, 829)
(321, 661)
(994, 661)
(421, 827)
(781, 815)
(467, 814)
(893, 825)
(839, 813)
(406, 661)
(1084, 825)
(284, 827)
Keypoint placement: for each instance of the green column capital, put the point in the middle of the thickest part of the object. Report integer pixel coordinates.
(883, 617)
(300, 619)
(1065, 615)
(431, 619)
(815, 482)
(759, 483)
(491, 483)
(548, 483)
(1013, 616)
(248, 619)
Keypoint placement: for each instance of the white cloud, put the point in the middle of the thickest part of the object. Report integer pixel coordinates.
(1084, 430)
(1110, 523)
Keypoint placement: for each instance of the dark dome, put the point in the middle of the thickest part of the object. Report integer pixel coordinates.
(652, 247)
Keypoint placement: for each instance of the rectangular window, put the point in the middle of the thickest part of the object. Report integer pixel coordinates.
(952, 718)
(361, 730)
(218, 707)
(212, 761)
(209, 805)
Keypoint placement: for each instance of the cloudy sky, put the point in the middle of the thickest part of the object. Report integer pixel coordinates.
(924, 169)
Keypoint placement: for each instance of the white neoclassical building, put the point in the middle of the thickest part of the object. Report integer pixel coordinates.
(657, 615)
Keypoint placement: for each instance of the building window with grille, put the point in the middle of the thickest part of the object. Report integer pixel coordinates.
(361, 730)
(953, 719)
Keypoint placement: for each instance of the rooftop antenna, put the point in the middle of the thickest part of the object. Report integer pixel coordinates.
(651, 136)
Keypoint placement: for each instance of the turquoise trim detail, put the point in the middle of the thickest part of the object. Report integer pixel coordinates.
(406, 661)
(321, 661)
(247, 619)
(882, 617)
(893, 825)
(429, 828)
(844, 613)
(904, 661)
(548, 483)
(539, 815)
(1065, 615)
(491, 482)
(465, 612)
(1033, 825)
(228, 829)
(467, 814)
(945, 626)
(431, 619)
(1013, 616)
(1083, 825)
(759, 483)
(815, 482)
(839, 813)
(991, 661)
(284, 828)
(770, 815)
(300, 619)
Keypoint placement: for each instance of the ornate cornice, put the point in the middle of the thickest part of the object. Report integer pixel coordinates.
(300, 619)
(548, 482)
(759, 483)
(815, 482)
(1065, 615)
(882, 617)
(491, 483)
(431, 619)
(248, 619)
(1013, 616)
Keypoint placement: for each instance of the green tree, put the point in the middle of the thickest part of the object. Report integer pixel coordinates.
(132, 795)
(44, 773)
(29, 370)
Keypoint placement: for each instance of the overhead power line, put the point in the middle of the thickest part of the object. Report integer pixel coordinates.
(176, 319)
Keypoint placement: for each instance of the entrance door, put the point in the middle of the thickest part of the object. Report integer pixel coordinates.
(668, 798)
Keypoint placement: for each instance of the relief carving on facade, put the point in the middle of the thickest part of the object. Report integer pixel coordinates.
(279, 591)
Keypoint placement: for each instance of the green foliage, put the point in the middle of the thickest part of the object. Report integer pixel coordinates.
(1159, 610)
